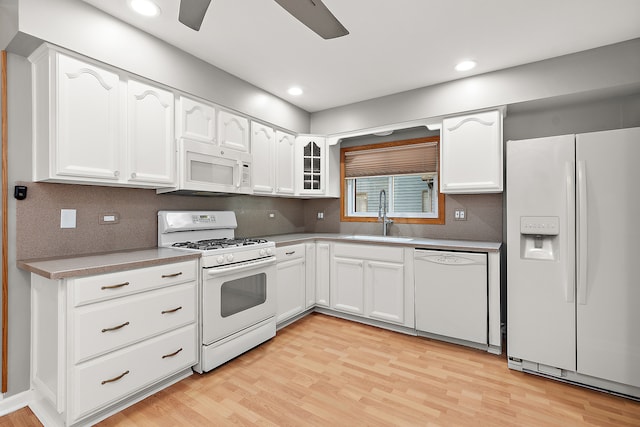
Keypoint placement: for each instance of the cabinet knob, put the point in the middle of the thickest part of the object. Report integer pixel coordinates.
(133, 175)
(116, 173)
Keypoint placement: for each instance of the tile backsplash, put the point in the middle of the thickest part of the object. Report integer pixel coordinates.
(39, 234)
(38, 217)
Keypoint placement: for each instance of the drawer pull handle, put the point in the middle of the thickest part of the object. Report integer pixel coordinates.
(171, 311)
(290, 253)
(119, 285)
(166, 276)
(114, 379)
(172, 354)
(115, 327)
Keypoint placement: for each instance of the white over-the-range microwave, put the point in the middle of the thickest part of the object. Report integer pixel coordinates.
(205, 168)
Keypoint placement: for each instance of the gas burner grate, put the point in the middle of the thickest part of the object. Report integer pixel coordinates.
(213, 244)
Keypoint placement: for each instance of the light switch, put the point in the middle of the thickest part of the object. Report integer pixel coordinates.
(67, 218)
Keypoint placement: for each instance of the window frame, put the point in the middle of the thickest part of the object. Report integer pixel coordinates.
(344, 215)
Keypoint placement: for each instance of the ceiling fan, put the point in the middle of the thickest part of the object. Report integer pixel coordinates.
(312, 13)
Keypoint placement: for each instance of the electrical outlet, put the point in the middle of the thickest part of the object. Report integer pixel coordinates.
(271, 215)
(320, 215)
(460, 214)
(109, 218)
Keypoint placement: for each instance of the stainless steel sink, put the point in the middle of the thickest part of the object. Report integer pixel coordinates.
(390, 239)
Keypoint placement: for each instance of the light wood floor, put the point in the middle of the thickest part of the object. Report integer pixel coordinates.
(323, 371)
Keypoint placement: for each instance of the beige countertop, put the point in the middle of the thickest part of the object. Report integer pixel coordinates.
(65, 267)
(414, 242)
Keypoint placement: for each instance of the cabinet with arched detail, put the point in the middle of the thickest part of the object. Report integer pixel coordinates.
(95, 124)
(311, 165)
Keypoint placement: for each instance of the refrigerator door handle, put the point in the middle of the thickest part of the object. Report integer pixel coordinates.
(570, 284)
(582, 233)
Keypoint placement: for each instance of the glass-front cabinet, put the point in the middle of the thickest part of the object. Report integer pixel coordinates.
(311, 170)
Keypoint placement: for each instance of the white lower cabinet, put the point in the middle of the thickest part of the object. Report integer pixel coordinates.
(291, 280)
(98, 341)
(347, 285)
(310, 274)
(322, 274)
(385, 286)
(372, 281)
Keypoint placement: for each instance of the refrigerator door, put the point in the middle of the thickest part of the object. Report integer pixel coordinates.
(541, 251)
(608, 312)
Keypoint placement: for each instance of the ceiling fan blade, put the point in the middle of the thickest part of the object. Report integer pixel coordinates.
(192, 12)
(315, 15)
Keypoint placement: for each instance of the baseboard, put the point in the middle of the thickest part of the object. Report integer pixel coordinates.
(15, 402)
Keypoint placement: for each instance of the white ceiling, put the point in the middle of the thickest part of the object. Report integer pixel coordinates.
(393, 45)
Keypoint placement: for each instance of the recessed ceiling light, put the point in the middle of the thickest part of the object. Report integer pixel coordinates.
(295, 91)
(145, 7)
(465, 65)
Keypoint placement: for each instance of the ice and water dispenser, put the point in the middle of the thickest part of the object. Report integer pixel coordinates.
(539, 237)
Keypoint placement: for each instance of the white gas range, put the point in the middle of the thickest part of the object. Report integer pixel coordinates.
(237, 284)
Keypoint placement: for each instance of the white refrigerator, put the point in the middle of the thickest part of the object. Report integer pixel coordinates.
(573, 258)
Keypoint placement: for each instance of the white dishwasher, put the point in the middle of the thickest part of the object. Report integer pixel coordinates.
(451, 294)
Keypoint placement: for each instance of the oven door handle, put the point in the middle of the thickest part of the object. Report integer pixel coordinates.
(215, 271)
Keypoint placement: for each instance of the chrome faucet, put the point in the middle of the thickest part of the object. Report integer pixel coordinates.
(382, 211)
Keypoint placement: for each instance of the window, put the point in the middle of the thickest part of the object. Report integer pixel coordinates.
(406, 170)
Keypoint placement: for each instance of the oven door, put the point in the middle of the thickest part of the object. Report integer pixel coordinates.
(237, 297)
(206, 167)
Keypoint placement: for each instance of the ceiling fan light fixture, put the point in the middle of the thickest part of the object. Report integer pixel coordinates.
(465, 65)
(295, 91)
(145, 7)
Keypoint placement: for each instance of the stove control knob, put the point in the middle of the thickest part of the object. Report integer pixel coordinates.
(262, 252)
(230, 257)
(220, 259)
(269, 251)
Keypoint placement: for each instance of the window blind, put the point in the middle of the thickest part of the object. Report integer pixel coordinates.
(395, 160)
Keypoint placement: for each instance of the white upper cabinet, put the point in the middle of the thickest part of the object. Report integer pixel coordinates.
(195, 120)
(151, 154)
(285, 165)
(310, 165)
(471, 153)
(93, 126)
(233, 131)
(77, 117)
(263, 140)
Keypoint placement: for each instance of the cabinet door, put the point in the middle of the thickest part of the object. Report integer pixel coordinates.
(233, 131)
(347, 285)
(323, 262)
(310, 274)
(195, 120)
(89, 121)
(310, 165)
(471, 153)
(151, 153)
(262, 149)
(385, 291)
(285, 152)
(291, 289)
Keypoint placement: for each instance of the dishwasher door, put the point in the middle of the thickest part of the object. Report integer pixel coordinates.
(451, 294)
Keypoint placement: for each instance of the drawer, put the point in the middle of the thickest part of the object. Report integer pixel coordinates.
(112, 285)
(107, 379)
(286, 253)
(369, 252)
(109, 325)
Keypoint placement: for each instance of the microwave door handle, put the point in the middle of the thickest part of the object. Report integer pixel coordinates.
(239, 181)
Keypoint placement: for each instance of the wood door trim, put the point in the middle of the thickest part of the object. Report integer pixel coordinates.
(5, 226)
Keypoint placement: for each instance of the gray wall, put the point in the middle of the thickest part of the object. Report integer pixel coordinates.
(80, 27)
(610, 68)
